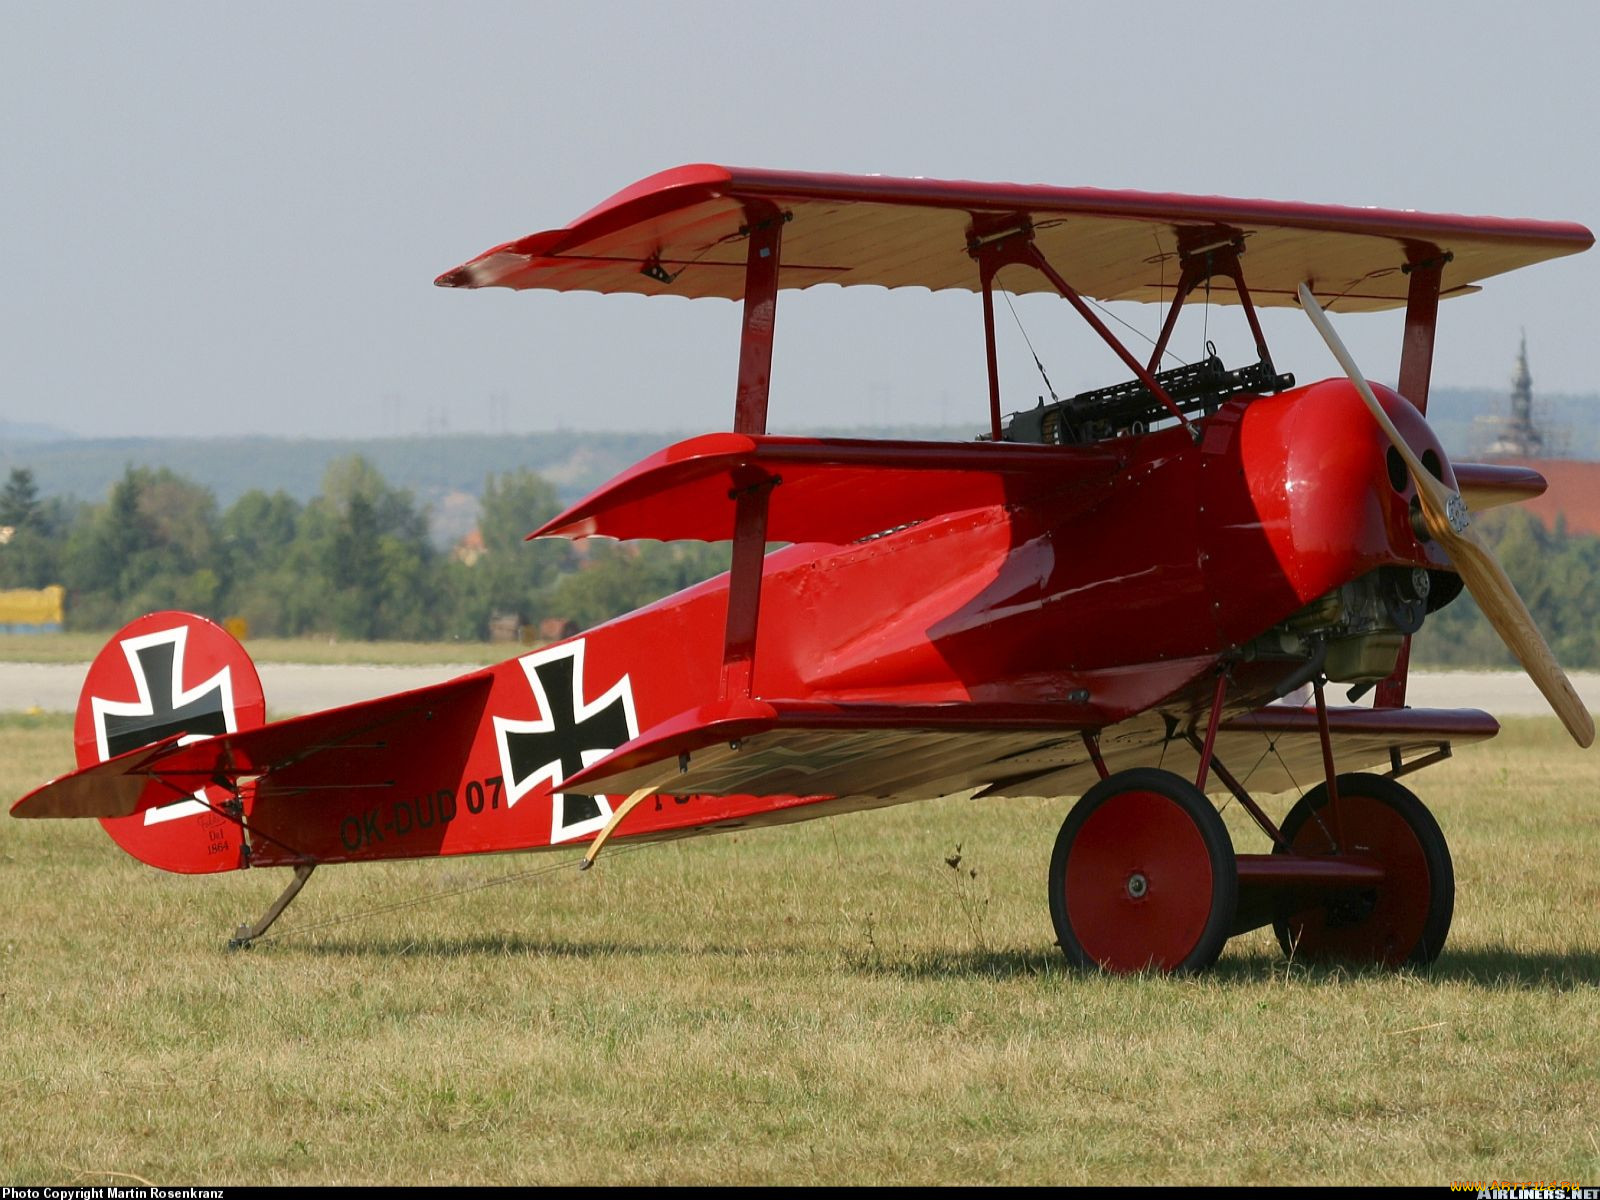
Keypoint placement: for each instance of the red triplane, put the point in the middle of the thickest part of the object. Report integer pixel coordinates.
(1101, 596)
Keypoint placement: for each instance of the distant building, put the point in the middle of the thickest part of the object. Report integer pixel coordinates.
(1574, 492)
(1573, 495)
(470, 548)
(1518, 436)
(555, 629)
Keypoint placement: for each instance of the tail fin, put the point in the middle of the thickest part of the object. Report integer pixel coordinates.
(166, 674)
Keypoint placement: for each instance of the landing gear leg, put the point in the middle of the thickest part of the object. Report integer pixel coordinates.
(246, 934)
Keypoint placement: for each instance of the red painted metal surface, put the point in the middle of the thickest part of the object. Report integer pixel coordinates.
(1316, 509)
(1158, 922)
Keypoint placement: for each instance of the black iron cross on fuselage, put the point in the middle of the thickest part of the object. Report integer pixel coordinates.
(564, 743)
(204, 714)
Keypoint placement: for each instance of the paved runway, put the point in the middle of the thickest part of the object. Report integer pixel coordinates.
(289, 687)
(297, 688)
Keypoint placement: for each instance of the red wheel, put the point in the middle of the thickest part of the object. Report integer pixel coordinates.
(1143, 875)
(1406, 918)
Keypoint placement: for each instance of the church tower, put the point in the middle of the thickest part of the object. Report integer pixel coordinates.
(1519, 438)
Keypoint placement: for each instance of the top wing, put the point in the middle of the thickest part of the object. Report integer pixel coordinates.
(683, 232)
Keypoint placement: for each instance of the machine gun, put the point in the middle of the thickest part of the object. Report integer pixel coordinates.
(1132, 407)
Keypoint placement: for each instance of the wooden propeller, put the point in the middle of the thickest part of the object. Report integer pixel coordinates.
(1450, 524)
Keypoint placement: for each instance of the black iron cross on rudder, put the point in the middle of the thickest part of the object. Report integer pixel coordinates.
(202, 714)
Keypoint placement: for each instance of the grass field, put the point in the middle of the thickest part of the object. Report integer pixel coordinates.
(829, 1003)
(82, 647)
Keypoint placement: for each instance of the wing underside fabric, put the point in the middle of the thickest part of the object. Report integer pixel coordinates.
(874, 754)
(906, 754)
(684, 232)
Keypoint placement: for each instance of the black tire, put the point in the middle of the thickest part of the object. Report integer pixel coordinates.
(1402, 922)
(1143, 875)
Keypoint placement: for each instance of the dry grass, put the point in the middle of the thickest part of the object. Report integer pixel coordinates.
(824, 1004)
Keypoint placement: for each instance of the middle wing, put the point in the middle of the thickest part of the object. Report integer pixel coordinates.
(822, 489)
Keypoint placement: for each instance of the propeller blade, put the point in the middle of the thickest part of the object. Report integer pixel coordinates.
(1449, 522)
(1487, 582)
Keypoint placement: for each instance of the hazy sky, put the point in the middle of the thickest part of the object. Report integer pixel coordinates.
(221, 218)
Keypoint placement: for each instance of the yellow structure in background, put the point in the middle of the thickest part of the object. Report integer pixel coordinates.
(237, 627)
(32, 610)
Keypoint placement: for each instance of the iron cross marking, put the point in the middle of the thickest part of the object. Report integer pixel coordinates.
(202, 714)
(564, 743)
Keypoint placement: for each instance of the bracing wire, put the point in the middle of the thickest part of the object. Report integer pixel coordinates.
(1031, 350)
(1137, 332)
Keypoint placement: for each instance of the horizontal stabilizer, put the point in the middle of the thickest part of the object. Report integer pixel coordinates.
(353, 745)
(822, 489)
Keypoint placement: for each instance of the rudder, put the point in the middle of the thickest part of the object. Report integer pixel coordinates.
(170, 673)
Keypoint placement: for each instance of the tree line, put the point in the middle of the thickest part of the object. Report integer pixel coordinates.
(354, 562)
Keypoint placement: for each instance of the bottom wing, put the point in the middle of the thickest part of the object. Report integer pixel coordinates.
(902, 753)
(416, 775)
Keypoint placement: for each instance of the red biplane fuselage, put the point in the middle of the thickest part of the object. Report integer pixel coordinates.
(1040, 614)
